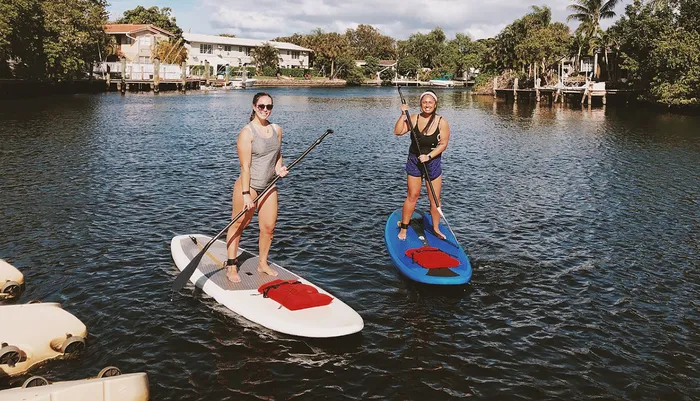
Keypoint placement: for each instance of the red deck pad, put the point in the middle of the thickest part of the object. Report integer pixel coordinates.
(431, 258)
(294, 295)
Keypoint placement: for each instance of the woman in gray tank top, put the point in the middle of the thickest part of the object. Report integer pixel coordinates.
(259, 144)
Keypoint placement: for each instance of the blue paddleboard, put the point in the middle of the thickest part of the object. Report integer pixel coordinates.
(420, 234)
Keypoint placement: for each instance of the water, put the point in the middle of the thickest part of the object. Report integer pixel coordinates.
(582, 226)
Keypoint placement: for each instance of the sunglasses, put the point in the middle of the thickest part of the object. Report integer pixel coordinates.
(262, 107)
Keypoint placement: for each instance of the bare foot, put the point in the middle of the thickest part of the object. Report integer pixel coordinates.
(402, 232)
(232, 274)
(266, 269)
(439, 233)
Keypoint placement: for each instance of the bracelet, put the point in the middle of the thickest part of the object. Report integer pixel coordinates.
(246, 192)
(430, 157)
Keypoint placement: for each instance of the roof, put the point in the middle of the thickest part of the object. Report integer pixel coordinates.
(115, 29)
(224, 40)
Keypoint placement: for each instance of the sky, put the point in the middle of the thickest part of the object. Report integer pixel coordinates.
(267, 19)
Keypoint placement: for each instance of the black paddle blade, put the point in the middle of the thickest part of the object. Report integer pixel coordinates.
(188, 270)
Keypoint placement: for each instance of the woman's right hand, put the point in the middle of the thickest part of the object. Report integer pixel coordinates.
(404, 107)
(248, 202)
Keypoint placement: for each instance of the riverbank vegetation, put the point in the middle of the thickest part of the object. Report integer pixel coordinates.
(653, 48)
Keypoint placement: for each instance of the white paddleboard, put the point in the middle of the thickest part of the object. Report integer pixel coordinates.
(332, 320)
(127, 387)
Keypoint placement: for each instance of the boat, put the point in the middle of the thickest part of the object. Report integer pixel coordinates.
(37, 332)
(423, 256)
(445, 83)
(11, 281)
(109, 385)
(286, 303)
(241, 80)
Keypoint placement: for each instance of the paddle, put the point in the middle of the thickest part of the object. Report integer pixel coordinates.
(187, 272)
(425, 170)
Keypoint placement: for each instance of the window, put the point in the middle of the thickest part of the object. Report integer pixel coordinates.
(144, 40)
(144, 59)
(227, 48)
(205, 48)
(295, 54)
(127, 40)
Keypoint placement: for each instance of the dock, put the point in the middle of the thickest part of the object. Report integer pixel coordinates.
(410, 82)
(562, 92)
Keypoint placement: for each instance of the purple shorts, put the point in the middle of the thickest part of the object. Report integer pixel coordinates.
(415, 169)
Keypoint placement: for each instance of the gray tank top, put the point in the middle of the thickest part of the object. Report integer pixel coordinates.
(265, 152)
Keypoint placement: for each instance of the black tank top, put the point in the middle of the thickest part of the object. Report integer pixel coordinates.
(426, 142)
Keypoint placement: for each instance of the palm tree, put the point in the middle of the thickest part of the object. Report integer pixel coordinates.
(589, 13)
(170, 51)
(265, 56)
(331, 46)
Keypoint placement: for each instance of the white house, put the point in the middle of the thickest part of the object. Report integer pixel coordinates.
(220, 51)
(135, 42)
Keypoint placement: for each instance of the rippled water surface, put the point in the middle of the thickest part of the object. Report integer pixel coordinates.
(583, 228)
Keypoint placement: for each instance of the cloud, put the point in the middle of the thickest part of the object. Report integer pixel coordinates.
(267, 19)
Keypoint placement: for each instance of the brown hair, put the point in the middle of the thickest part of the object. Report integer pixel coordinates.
(255, 101)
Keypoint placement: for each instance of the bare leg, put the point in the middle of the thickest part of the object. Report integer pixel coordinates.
(434, 213)
(233, 236)
(267, 218)
(409, 205)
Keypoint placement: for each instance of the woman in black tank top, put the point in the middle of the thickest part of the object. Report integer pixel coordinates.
(433, 134)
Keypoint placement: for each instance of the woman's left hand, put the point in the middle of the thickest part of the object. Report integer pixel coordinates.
(424, 158)
(282, 171)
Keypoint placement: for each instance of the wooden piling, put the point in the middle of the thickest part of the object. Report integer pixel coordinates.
(206, 72)
(156, 76)
(495, 87)
(537, 87)
(122, 89)
(183, 76)
(515, 89)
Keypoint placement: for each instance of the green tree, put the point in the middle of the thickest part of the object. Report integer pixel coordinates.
(425, 47)
(21, 39)
(152, 15)
(408, 66)
(366, 41)
(265, 56)
(73, 33)
(371, 66)
(659, 47)
(297, 39)
(544, 45)
(328, 47)
(507, 41)
(590, 12)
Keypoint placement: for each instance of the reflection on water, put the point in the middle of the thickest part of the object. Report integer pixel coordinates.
(581, 222)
